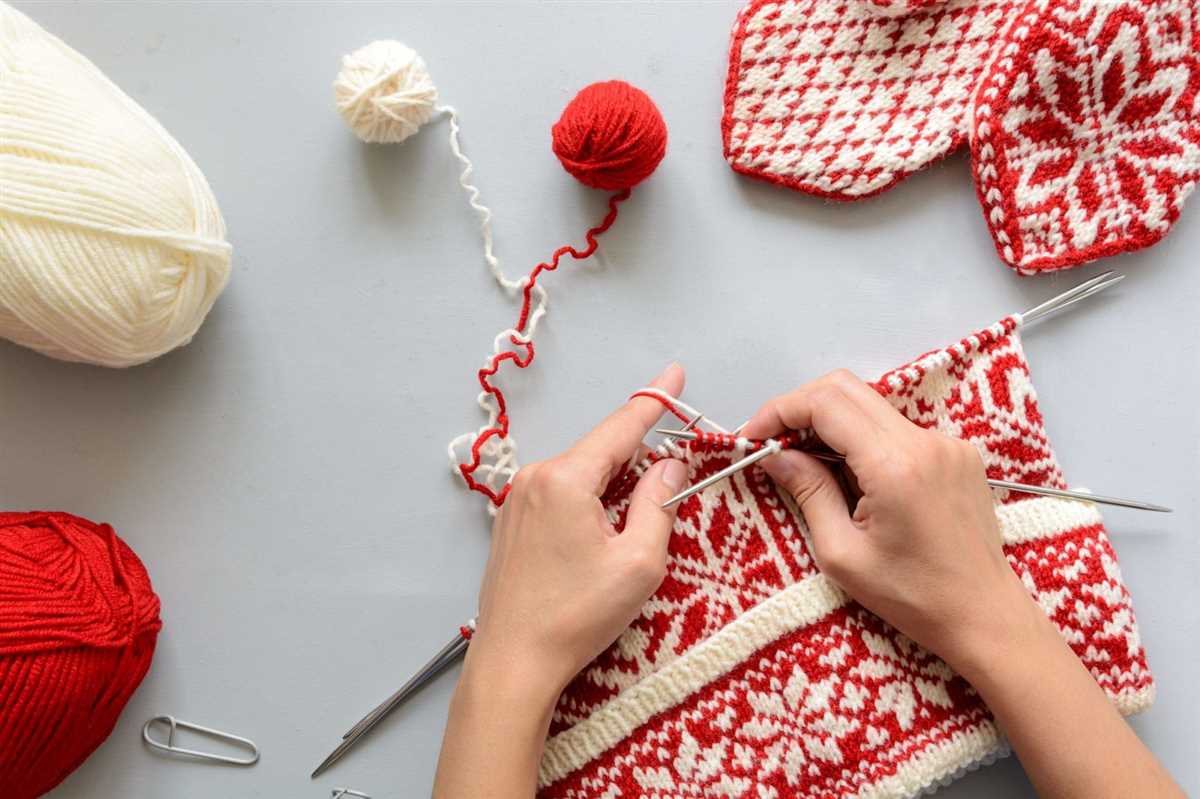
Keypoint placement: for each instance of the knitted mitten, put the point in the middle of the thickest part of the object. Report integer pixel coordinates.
(1087, 129)
(834, 99)
(1083, 114)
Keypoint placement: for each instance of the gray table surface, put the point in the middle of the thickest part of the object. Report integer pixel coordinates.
(284, 476)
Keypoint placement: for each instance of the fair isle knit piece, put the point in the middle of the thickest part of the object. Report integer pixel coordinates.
(832, 98)
(750, 675)
(1087, 129)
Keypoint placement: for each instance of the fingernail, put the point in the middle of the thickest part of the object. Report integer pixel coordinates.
(673, 475)
(662, 376)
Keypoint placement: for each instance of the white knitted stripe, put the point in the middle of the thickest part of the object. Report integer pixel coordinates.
(804, 603)
(801, 604)
(1044, 517)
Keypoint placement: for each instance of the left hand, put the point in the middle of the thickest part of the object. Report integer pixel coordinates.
(560, 584)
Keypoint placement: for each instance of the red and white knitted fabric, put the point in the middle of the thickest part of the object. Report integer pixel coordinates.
(1083, 115)
(749, 674)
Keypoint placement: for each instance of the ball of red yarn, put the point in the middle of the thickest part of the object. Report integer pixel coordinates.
(78, 624)
(611, 136)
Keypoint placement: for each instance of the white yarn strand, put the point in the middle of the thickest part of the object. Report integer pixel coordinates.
(385, 94)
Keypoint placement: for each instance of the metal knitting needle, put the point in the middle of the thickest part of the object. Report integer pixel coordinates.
(1071, 296)
(734, 468)
(445, 656)
(1083, 496)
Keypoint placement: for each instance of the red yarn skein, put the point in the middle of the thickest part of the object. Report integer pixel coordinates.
(78, 624)
(611, 136)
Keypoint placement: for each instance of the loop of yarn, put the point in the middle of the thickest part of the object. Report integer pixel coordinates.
(611, 136)
(112, 249)
(385, 92)
(78, 624)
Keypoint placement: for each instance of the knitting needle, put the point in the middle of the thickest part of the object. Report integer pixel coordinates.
(447, 655)
(443, 658)
(1071, 296)
(831, 456)
(752, 458)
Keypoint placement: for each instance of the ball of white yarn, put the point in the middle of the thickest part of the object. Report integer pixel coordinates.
(384, 92)
(112, 249)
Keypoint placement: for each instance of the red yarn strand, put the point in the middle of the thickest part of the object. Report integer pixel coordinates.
(501, 428)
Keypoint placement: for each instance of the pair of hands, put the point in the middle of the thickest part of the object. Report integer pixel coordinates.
(921, 548)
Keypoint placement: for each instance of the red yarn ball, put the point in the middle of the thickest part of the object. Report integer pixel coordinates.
(611, 136)
(78, 624)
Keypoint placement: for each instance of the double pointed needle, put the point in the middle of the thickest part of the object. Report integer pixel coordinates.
(447, 655)
(768, 450)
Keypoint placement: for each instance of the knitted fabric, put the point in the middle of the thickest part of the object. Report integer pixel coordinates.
(750, 674)
(1087, 129)
(1082, 115)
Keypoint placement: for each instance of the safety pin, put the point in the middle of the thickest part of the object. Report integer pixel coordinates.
(174, 724)
(1006, 485)
(338, 793)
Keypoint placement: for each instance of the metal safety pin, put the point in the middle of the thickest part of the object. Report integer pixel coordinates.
(338, 793)
(758, 455)
(445, 656)
(169, 746)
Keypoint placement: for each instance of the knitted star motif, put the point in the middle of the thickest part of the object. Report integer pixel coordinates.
(1083, 116)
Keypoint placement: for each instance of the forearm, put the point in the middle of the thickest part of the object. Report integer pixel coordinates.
(497, 724)
(1070, 739)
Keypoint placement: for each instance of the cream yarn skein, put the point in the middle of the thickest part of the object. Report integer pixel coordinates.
(112, 249)
(384, 92)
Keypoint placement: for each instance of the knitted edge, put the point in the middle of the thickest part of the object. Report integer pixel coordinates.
(901, 378)
(997, 208)
(805, 603)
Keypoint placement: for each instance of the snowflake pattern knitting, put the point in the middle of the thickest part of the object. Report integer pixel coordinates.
(1087, 131)
(749, 674)
(1083, 115)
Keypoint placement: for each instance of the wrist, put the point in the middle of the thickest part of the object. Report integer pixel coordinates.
(508, 681)
(1007, 633)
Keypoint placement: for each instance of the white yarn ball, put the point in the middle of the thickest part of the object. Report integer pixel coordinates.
(384, 92)
(112, 249)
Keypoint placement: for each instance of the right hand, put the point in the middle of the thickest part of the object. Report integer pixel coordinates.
(921, 548)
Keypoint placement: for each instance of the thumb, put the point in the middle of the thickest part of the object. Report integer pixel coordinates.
(648, 524)
(819, 496)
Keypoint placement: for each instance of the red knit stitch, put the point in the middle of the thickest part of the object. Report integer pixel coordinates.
(78, 625)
